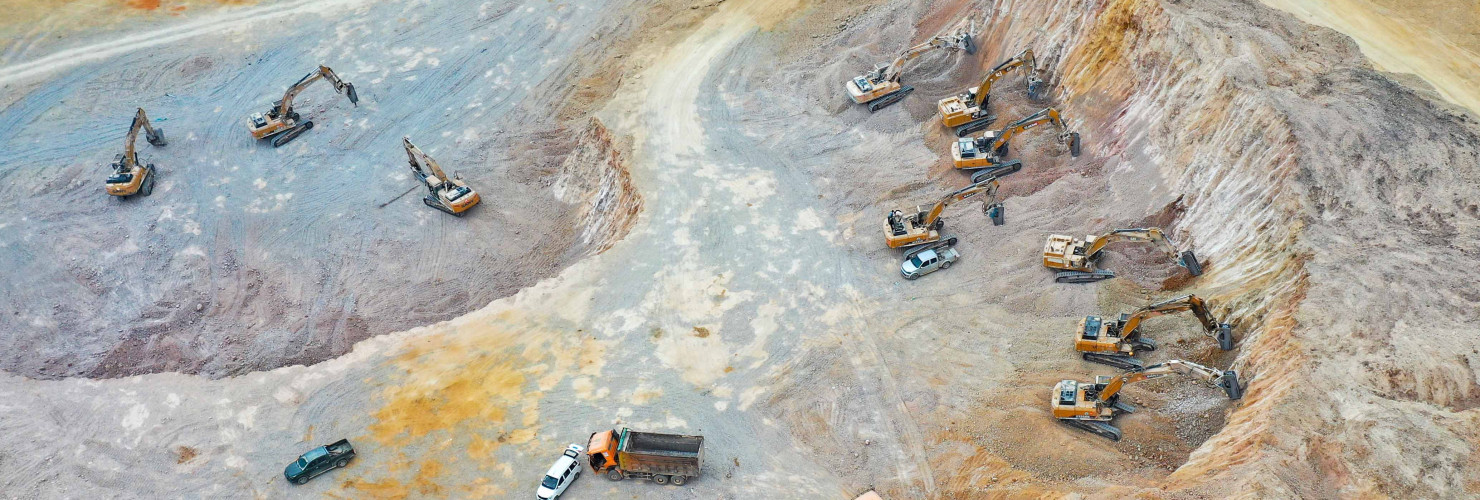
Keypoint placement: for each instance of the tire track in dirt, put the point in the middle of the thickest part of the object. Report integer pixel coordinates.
(227, 21)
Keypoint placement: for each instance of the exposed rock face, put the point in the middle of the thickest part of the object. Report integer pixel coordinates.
(1337, 210)
(595, 177)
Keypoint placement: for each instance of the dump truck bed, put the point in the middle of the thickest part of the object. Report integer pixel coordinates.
(669, 454)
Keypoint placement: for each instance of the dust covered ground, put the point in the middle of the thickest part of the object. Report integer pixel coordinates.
(711, 203)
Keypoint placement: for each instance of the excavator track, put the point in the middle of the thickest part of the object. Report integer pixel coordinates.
(891, 98)
(434, 204)
(1082, 277)
(944, 241)
(291, 134)
(975, 125)
(996, 170)
(1121, 362)
(1102, 429)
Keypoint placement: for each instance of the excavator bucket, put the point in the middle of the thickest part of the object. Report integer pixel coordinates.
(1074, 144)
(968, 44)
(1224, 335)
(998, 214)
(349, 90)
(1036, 88)
(1230, 385)
(1189, 261)
(155, 137)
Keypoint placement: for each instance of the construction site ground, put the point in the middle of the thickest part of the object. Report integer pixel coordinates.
(680, 232)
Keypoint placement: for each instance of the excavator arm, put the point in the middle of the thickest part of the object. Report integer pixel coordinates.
(890, 72)
(155, 137)
(286, 105)
(1151, 235)
(1223, 332)
(986, 186)
(1226, 380)
(1024, 59)
(419, 159)
(996, 141)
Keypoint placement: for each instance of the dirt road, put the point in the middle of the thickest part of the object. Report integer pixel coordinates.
(752, 301)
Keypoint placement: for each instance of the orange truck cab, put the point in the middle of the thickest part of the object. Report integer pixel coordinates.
(645, 455)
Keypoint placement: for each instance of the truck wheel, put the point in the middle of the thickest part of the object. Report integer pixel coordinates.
(301, 480)
(341, 463)
(614, 475)
(945, 265)
(660, 479)
(679, 480)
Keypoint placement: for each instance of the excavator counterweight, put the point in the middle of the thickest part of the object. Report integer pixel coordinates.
(988, 151)
(128, 176)
(1091, 406)
(966, 112)
(880, 88)
(1116, 343)
(1075, 258)
(923, 225)
(281, 123)
(447, 194)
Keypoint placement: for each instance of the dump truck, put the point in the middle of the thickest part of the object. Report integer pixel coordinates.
(645, 455)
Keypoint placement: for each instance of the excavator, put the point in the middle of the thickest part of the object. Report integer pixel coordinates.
(986, 152)
(1091, 406)
(924, 226)
(967, 111)
(1115, 343)
(880, 87)
(1075, 257)
(283, 124)
(129, 177)
(443, 193)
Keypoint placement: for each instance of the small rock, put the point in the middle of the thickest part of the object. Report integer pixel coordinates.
(199, 306)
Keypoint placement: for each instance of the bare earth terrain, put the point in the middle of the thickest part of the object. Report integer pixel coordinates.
(679, 233)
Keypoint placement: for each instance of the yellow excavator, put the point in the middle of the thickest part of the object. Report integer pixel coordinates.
(967, 111)
(281, 122)
(1092, 405)
(1116, 343)
(924, 225)
(986, 152)
(443, 193)
(129, 177)
(881, 87)
(1075, 258)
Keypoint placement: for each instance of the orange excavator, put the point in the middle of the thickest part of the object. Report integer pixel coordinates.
(881, 87)
(924, 225)
(1116, 343)
(1075, 258)
(443, 193)
(986, 152)
(1091, 406)
(967, 111)
(129, 176)
(281, 122)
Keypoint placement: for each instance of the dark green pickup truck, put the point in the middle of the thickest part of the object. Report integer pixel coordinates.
(319, 460)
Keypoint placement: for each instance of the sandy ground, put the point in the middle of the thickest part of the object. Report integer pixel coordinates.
(1435, 40)
(249, 257)
(752, 300)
